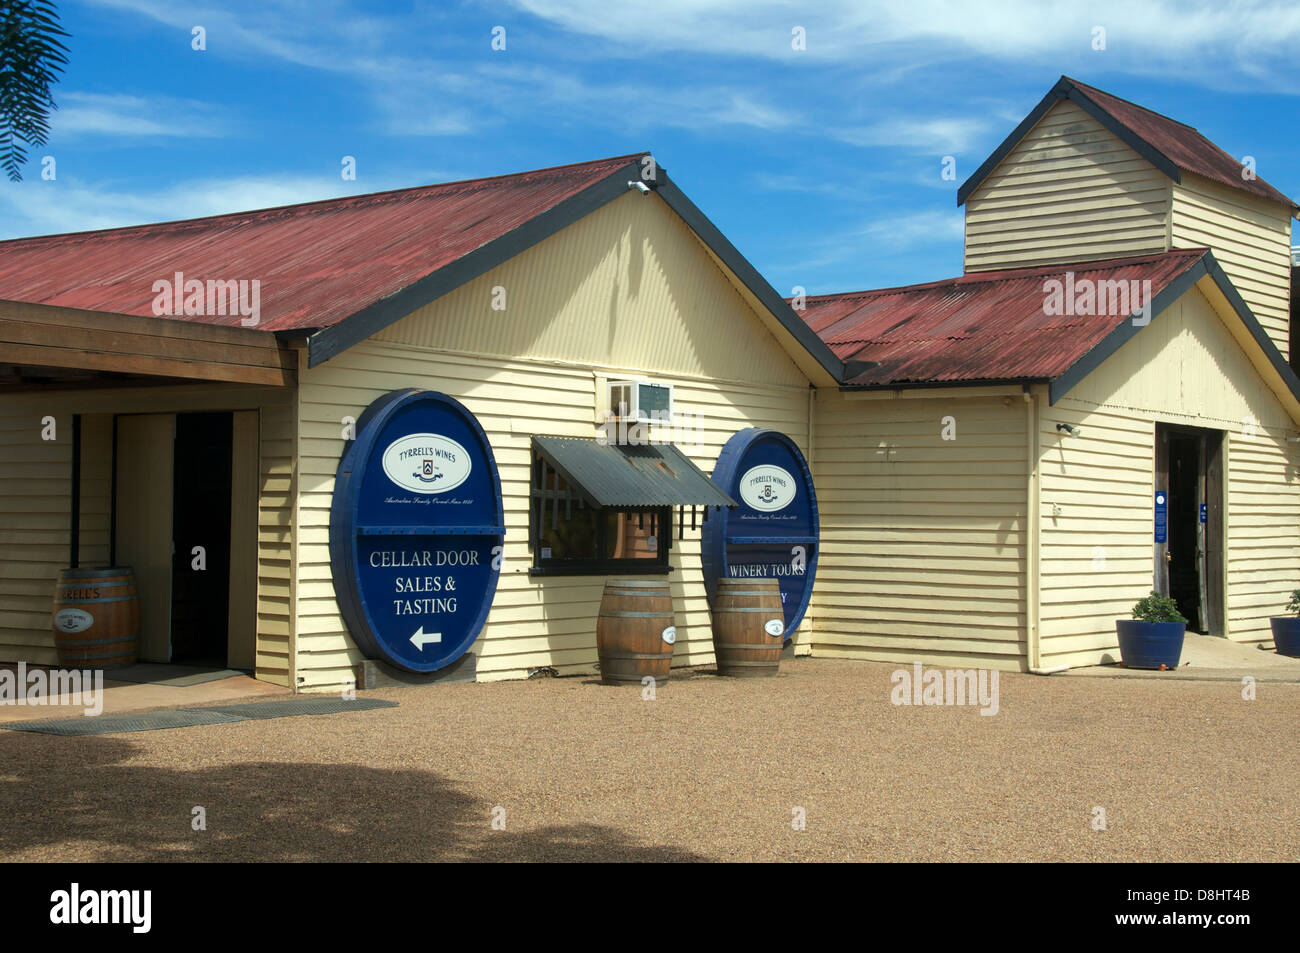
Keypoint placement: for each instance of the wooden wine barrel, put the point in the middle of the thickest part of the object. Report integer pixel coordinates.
(96, 618)
(635, 632)
(748, 627)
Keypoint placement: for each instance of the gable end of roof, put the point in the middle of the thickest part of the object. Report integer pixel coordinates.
(1207, 265)
(370, 320)
(1170, 146)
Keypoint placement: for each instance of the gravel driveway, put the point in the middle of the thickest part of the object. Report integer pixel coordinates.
(712, 769)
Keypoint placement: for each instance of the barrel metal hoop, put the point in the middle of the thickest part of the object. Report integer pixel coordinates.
(77, 643)
(743, 646)
(92, 602)
(635, 615)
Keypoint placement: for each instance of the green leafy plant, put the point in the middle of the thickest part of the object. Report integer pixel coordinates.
(31, 58)
(1294, 604)
(1158, 608)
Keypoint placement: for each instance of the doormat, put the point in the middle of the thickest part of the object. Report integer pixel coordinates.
(188, 717)
(157, 673)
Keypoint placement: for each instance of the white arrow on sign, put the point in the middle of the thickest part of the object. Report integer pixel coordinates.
(422, 638)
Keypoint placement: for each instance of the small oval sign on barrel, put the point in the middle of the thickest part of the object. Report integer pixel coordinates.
(73, 620)
(416, 530)
(774, 532)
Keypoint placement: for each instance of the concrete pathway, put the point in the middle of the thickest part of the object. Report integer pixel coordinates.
(1209, 658)
(120, 697)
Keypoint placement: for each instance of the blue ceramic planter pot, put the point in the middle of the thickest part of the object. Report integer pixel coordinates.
(1286, 634)
(1150, 644)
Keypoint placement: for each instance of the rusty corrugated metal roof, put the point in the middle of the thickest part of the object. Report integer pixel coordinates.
(979, 327)
(634, 476)
(1181, 144)
(317, 263)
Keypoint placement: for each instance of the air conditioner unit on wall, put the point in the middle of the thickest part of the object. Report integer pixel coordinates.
(641, 401)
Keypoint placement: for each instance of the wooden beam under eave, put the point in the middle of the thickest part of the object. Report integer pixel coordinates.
(51, 336)
(45, 356)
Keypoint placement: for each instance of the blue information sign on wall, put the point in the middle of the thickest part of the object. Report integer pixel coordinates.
(416, 530)
(1162, 516)
(774, 532)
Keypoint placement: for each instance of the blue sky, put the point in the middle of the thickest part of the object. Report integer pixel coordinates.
(821, 165)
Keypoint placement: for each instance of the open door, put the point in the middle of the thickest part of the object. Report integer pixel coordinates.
(1189, 523)
(145, 458)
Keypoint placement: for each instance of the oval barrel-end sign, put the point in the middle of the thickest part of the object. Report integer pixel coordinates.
(774, 532)
(416, 530)
(73, 620)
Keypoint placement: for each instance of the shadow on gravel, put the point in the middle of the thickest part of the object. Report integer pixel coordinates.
(82, 794)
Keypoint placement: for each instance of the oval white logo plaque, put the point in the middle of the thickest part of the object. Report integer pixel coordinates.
(767, 488)
(427, 463)
(73, 620)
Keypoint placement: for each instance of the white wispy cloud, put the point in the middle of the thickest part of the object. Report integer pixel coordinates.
(915, 228)
(73, 205)
(932, 136)
(116, 115)
(1175, 37)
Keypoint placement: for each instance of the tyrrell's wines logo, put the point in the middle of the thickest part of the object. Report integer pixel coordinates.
(427, 463)
(767, 488)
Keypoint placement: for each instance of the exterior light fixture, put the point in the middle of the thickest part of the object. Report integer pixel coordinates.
(1069, 431)
(639, 186)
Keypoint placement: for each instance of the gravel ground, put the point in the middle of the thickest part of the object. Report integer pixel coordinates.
(710, 770)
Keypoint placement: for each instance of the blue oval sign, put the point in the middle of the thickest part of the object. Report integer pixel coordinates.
(416, 530)
(774, 532)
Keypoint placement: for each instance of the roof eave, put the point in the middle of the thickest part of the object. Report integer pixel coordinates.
(748, 276)
(940, 385)
(1204, 267)
(329, 342)
(355, 328)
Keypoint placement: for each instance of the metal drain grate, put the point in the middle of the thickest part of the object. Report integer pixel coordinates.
(188, 717)
(112, 724)
(300, 706)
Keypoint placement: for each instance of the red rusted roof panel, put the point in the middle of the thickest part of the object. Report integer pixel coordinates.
(317, 263)
(1182, 144)
(985, 326)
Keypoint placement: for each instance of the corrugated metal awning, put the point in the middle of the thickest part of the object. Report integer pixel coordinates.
(632, 476)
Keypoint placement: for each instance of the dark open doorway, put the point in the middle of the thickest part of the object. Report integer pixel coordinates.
(201, 518)
(1189, 559)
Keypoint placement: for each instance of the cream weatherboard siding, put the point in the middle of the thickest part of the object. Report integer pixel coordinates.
(1251, 239)
(922, 538)
(1069, 191)
(35, 504)
(1096, 496)
(627, 291)
(35, 483)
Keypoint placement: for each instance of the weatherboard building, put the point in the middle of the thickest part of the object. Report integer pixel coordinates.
(431, 423)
